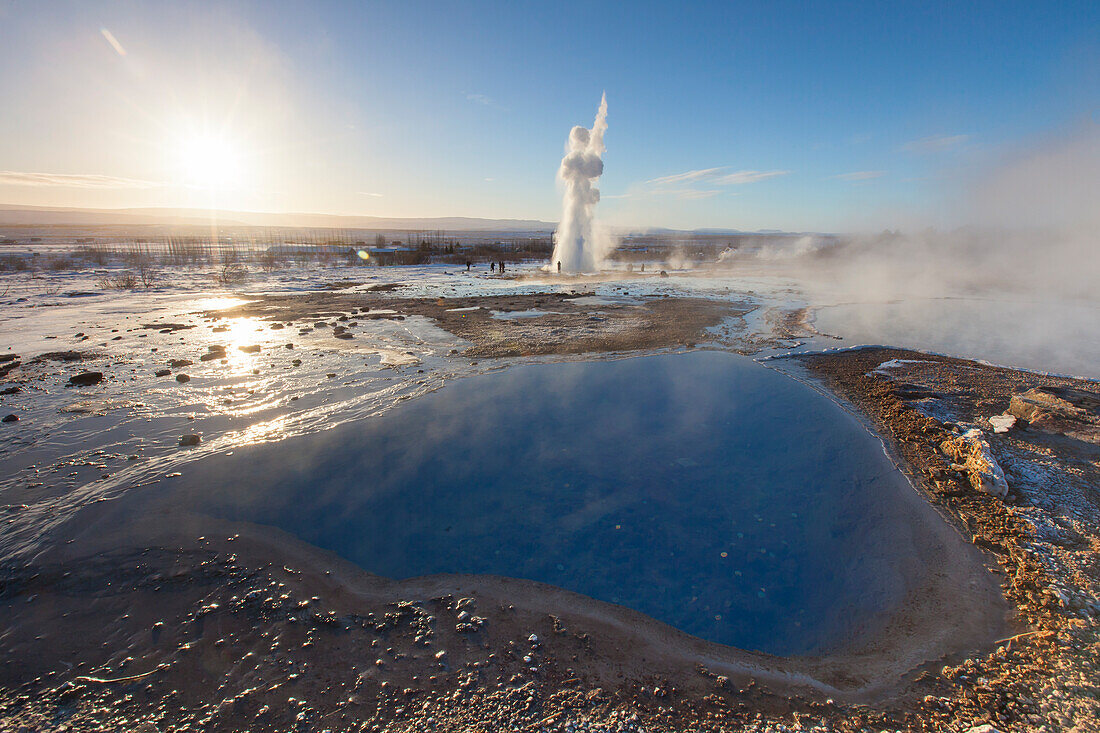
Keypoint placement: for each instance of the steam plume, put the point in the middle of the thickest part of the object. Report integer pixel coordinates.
(579, 247)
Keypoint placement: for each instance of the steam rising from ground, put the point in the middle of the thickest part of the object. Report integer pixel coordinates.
(1027, 224)
(580, 246)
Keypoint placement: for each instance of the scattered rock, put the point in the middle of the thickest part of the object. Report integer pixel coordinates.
(1062, 410)
(189, 439)
(971, 454)
(11, 390)
(180, 363)
(162, 372)
(166, 327)
(181, 378)
(10, 418)
(250, 349)
(85, 379)
(213, 352)
(63, 356)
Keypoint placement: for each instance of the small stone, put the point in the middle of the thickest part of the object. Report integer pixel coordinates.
(85, 379)
(189, 439)
(250, 349)
(181, 378)
(10, 418)
(162, 372)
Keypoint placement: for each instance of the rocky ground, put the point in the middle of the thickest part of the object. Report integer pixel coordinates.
(548, 322)
(1033, 508)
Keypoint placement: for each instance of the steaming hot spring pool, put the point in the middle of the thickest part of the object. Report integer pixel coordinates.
(715, 495)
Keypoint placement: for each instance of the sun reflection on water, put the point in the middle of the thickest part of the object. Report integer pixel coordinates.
(261, 432)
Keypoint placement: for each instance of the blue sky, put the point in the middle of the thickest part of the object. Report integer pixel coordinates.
(723, 114)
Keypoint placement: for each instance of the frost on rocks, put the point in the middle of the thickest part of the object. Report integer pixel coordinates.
(883, 369)
(971, 454)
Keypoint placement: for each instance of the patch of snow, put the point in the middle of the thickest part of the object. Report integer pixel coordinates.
(884, 368)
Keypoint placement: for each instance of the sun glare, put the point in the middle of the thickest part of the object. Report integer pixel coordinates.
(210, 161)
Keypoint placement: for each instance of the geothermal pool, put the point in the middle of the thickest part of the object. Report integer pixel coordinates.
(713, 494)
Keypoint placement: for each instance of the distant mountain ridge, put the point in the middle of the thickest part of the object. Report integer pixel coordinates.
(12, 215)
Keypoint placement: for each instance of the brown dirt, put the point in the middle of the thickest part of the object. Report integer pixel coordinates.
(567, 328)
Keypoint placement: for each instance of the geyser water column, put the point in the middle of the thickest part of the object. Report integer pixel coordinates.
(578, 247)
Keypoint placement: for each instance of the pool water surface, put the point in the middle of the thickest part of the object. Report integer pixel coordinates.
(705, 490)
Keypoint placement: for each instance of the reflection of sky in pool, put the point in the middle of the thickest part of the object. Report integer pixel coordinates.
(711, 493)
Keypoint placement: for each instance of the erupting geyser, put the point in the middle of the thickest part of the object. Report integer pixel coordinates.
(578, 248)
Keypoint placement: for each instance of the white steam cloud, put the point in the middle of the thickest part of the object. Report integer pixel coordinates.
(580, 246)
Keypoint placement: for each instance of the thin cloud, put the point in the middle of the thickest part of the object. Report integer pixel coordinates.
(485, 100)
(742, 177)
(860, 175)
(113, 41)
(934, 144)
(369, 193)
(698, 175)
(717, 177)
(70, 180)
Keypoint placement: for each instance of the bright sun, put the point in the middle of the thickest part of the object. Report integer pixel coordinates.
(210, 161)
